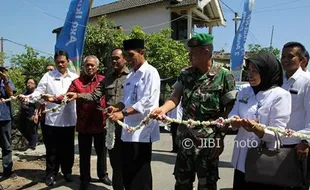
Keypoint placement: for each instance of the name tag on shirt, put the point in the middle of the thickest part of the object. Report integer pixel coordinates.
(57, 79)
(243, 101)
(293, 91)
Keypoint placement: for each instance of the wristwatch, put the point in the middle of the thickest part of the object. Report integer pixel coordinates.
(125, 113)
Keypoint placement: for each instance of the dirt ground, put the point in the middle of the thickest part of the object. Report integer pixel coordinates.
(31, 171)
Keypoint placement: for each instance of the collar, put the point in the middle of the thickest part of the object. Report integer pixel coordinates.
(295, 75)
(142, 67)
(211, 73)
(57, 73)
(86, 78)
(214, 70)
(126, 71)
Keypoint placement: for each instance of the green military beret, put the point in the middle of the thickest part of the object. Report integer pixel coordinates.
(200, 40)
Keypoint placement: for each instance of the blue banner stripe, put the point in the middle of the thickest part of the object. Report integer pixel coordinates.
(238, 49)
(72, 35)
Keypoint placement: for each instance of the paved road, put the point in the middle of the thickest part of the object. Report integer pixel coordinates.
(162, 168)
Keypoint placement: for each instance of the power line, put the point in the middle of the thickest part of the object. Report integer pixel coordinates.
(271, 10)
(19, 44)
(228, 7)
(146, 27)
(48, 14)
(254, 36)
(279, 4)
(41, 10)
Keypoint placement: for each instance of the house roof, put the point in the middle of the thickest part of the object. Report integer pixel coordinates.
(184, 3)
(123, 5)
(120, 5)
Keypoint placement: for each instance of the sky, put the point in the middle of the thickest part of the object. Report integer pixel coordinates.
(31, 22)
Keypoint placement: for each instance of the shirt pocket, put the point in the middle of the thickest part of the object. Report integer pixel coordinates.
(210, 99)
(110, 90)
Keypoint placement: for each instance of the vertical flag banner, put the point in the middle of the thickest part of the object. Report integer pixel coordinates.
(237, 50)
(72, 35)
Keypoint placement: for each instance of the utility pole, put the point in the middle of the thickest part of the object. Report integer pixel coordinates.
(2, 51)
(236, 19)
(271, 37)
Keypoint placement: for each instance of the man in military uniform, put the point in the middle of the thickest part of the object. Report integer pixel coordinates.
(207, 93)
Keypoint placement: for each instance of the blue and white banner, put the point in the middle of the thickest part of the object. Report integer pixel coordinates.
(72, 35)
(237, 50)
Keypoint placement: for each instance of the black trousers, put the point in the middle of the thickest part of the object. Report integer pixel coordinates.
(29, 130)
(59, 144)
(136, 159)
(308, 172)
(85, 149)
(6, 146)
(116, 160)
(174, 129)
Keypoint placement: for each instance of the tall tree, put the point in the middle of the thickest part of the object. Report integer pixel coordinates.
(2, 58)
(256, 48)
(167, 55)
(101, 38)
(30, 63)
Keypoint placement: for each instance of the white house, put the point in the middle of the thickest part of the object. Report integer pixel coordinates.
(153, 15)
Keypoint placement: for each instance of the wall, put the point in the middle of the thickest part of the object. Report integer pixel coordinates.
(143, 16)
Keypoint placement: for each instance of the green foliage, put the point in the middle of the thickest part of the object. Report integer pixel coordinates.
(167, 55)
(2, 58)
(30, 63)
(100, 40)
(256, 48)
(16, 75)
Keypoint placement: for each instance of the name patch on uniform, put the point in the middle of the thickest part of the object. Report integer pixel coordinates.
(57, 79)
(293, 91)
(244, 99)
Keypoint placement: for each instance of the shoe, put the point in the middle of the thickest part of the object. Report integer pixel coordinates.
(50, 181)
(106, 180)
(84, 186)
(13, 176)
(68, 177)
(6, 176)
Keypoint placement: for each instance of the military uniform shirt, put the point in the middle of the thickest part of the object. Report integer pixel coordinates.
(204, 96)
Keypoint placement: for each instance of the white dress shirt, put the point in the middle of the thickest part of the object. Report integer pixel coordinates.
(141, 91)
(54, 83)
(299, 87)
(271, 108)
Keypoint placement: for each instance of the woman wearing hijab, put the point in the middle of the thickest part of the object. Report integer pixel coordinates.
(28, 126)
(262, 101)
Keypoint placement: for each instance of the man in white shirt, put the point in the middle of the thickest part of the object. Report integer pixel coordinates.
(141, 95)
(58, 131)
(297, 82)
